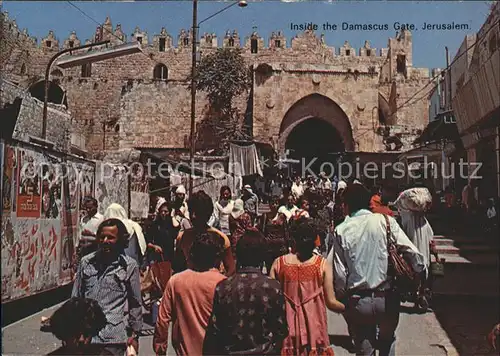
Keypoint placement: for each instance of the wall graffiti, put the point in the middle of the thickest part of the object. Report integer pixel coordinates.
(39, 227)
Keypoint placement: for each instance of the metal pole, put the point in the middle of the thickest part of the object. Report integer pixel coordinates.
(47, 74)
(194, 34)
(448, 104)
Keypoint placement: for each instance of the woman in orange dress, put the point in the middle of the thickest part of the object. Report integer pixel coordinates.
(307, 283)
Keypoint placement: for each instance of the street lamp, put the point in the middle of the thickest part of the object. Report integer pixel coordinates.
(194, 41)
(72, 61)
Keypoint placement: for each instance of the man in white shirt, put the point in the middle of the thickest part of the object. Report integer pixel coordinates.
(297, 188)
(360, 261)
(288, 210)
(88, 226)
(325, 183)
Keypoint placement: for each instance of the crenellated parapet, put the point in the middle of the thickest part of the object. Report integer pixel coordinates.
(184, 39)
(72, 41)
(254, 43)
(140, 36)
(277, 40)
(367, 50)
(231, 40)
(347, 50)
(50, 43)
(13, 33)
(163, 41)
(306, 40)
(208, 40)
(119, 35)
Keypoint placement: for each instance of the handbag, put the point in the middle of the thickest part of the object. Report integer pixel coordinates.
(437, 268)
(162, 271)
(147, 280)
(405, 279)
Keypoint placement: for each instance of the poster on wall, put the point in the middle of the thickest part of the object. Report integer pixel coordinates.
(69, 229)
(111, 186)
(74, 187)
(86, 182)
(51, 191)
(8, 178)
(28, 189)
(139, 205)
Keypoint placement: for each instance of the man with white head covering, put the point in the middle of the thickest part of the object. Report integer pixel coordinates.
(137, 242)
(180, 212)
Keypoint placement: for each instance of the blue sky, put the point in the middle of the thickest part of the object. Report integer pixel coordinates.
(267, 16)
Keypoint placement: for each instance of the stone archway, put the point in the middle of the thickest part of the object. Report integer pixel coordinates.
(320, 107)
(315, 128)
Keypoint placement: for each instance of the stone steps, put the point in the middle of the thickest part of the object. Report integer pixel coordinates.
(471, 266)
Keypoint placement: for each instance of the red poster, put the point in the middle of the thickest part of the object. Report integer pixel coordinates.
(28, 190)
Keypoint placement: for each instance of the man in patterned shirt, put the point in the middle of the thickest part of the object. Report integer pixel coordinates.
(248, 316)
(112, 279)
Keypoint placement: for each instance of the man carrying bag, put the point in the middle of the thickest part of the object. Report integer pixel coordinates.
(370, 274)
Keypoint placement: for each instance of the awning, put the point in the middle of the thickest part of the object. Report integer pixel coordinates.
(162, 155)
(440, 129)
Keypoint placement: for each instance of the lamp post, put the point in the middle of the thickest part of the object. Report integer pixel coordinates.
(194, 40)
(71, 61)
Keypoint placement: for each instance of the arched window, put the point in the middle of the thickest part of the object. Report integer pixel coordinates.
(56, 93)
(160, 72)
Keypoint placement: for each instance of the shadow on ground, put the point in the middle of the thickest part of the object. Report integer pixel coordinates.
(343, 341)
(467, 321)
(22, 308)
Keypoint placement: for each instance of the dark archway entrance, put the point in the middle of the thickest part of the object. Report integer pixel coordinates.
(315, 128)
(314, 141)
(56, 93)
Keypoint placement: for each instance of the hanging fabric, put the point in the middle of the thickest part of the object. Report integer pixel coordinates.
(244, 160)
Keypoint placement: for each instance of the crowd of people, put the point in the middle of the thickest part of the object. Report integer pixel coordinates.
(244, 282)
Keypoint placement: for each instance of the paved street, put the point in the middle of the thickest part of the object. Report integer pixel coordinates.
(467, 322)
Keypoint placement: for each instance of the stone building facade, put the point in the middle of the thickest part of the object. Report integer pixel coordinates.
(143, 100)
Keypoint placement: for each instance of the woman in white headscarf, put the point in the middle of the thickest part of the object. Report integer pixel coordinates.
(412, 205)
(136, 242)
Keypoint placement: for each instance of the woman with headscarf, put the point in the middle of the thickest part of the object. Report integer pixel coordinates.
(136, 243)
(161, 234)
(223, 208)
(412, 205)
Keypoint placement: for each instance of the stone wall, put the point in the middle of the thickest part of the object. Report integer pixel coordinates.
(460, 64)
(114, 103)
(29, 121)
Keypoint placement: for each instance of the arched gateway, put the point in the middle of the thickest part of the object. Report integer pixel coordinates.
(315, 129)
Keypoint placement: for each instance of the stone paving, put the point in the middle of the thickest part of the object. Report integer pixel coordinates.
(458, 327)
